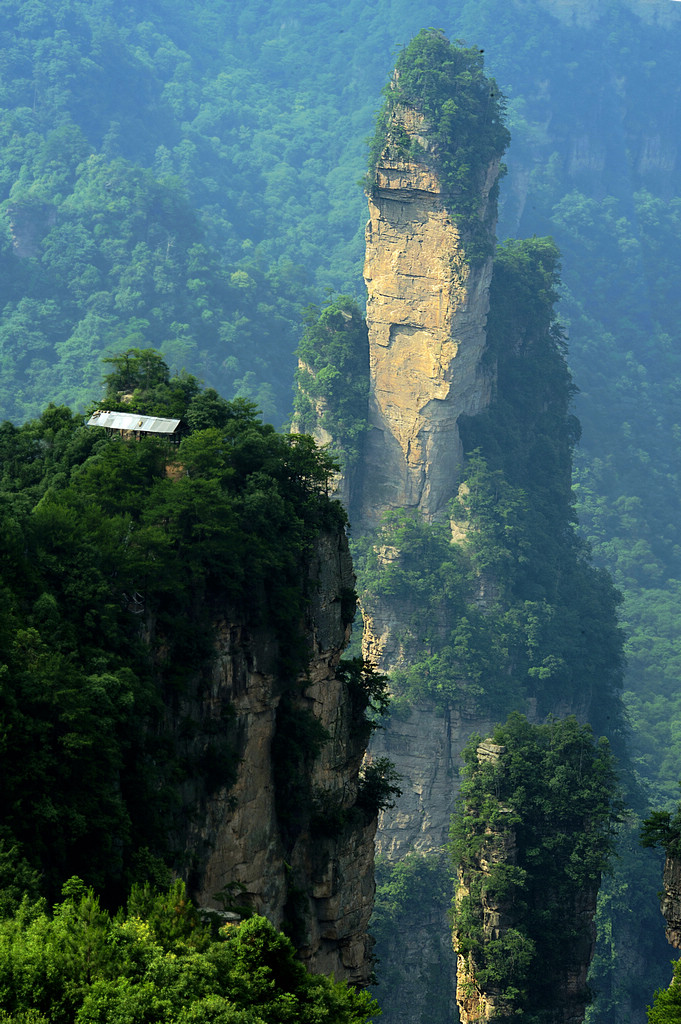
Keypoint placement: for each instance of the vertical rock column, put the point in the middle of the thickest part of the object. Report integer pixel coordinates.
(427, 311)
(426, 314)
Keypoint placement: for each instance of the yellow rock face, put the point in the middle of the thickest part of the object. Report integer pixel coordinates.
(426, 313)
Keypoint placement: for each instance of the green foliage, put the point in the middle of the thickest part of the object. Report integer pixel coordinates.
(464, 114)
(411, 896)
(378, 786)
(141, 382)
(662, 828)
(666, 1008)
(156, 962)
(333, 378)
(369, 695)
(114, 572)
(552, 796)
(300, 739)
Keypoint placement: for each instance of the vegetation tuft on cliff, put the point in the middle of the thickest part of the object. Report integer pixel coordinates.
(332, 380)
(464, 123)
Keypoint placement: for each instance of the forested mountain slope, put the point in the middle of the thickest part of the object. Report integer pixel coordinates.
(184, 175)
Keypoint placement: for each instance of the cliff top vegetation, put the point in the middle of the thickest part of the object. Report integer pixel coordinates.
(111, 567)
(464, 123)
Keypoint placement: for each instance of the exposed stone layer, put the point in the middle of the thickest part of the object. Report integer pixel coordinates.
(426, 315)
(29, 223)
(234, 835)
(671, 900)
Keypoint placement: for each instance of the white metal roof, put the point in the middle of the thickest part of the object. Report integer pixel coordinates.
(132, 421)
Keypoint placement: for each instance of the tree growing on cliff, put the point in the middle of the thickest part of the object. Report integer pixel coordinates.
(666, 1008)
(333, 376)
(463, 114)
(533, 832)
(662, 828)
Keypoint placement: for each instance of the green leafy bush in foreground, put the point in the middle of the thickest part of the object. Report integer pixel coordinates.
(157, 962)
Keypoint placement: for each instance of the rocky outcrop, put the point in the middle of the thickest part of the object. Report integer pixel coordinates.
(671, 900)
(30, 220)
(427, 306)
(426, 311)
(426, 315)
(480, 996)
(315, 880)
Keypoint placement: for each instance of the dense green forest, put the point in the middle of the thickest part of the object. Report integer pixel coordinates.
(98, 532)
(184, 175)
(157, 961)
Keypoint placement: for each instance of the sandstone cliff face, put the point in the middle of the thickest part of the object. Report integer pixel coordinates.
(426, 318)
(322, 884)
(426, 314)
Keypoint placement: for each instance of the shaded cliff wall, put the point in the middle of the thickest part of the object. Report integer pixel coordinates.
(426, 312)
(246, 838)
(425, 745)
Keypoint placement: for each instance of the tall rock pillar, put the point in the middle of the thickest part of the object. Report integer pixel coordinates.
(426, 313)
